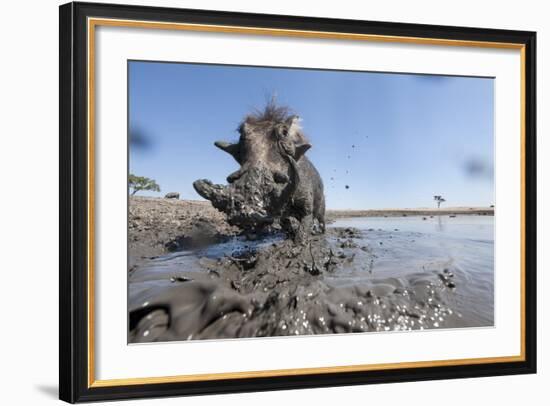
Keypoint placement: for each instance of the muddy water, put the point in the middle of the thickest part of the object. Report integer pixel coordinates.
(408, 249)
(365, 274)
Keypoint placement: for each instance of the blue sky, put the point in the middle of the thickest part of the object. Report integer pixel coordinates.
(394, 139)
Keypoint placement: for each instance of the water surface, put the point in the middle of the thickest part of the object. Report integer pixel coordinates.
(405, 246)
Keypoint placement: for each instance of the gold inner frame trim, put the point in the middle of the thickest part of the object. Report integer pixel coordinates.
(94, 22)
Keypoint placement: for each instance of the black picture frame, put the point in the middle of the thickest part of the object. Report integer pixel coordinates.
(74, 199)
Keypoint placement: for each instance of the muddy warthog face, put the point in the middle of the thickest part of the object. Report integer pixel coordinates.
(269, 146)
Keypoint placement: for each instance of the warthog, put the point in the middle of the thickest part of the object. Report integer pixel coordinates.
(276, 183)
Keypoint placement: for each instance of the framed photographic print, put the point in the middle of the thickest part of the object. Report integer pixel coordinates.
(257, 202)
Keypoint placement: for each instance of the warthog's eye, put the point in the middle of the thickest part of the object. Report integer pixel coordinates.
(281, 131)
(280, 177)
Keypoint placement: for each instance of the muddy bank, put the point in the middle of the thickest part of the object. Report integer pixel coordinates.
(270, 287)
(158, 226)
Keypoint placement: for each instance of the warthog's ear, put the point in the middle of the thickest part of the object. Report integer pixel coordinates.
(300, 150)
(295, 134)
(232, 149)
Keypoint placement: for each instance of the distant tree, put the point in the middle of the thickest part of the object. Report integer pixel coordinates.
(138, 183)
(439, 200)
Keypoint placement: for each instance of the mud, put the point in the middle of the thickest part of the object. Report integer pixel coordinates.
(158, 226)
(272, 287)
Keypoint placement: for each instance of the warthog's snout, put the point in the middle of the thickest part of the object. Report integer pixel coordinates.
(242, 209)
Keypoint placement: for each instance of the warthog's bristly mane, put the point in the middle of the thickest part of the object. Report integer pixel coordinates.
(271, 115)
(272, 112)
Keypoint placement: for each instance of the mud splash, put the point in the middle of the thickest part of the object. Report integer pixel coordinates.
(271, 287)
